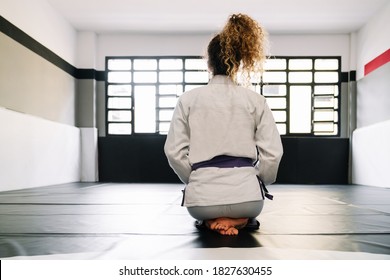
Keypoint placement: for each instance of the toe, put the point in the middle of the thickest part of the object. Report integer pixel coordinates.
(232, 231)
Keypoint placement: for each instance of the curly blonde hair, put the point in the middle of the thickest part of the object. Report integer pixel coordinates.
(239, 47)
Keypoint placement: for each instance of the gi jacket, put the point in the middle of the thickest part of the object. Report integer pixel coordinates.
(223, 118)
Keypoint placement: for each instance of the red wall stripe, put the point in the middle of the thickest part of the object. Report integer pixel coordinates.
(377, 62)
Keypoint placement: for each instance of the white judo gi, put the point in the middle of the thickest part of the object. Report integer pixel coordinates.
(223, 118)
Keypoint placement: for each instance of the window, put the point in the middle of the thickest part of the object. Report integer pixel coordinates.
(142, 91)
(302, 92)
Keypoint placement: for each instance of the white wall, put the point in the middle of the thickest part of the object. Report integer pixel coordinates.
(36, 152)
(373, 97)
(165, 44)
(371, 155)
(313, 45)
(86, 50)
(149, 44)
(373, 39)
(40, 21)
(39, 144)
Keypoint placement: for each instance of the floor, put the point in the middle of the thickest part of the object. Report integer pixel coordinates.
(146, 221)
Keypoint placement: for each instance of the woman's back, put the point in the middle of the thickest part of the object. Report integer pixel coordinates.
(222, 120)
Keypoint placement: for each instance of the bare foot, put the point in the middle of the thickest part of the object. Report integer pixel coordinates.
(214, 225)
(226, 223)
(229, 231)
(227, 226)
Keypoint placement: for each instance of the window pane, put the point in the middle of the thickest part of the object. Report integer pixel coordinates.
(281, 128)
(171, 64)
(300, 64)
(119, 90)
(119, 128)
(145, 64)
(119, 116)
(274, 90)
(300, 109)
(274, 77)
(189, 87)
(324, 102)
(324, 115)
(326, 64)
(275, 64)
(119, 77)
(165, 115)
(326, 77)
(171, 77)
(165, 102)
(145, 109)
(170, 89)
(279, 116)
(326, 90)
(196, 77)
(336, 103)
(196, 64)
(119, 103)
(163, 127)
(300, 77)
(329, 127)
(145, 77)
(145, 90)
(276, 103)
(119, 64)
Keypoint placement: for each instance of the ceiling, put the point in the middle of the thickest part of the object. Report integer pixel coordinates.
(200, 16)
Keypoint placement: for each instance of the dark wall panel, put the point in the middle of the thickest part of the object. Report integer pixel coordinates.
(134, 159)
(141, 159)
(314, 161)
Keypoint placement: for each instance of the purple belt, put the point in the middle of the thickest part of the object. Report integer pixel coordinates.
(224, 162)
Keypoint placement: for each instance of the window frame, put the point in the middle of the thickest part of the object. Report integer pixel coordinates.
(288, 85)
(312, 84)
